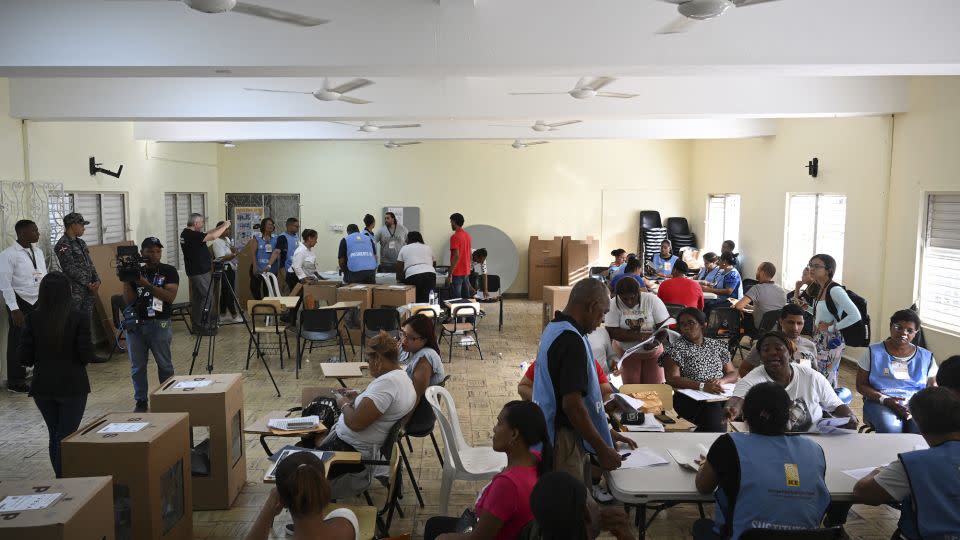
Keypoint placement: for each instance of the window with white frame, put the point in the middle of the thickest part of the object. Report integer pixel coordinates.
(940, 266)
(177, 210)
(723, 220)
(815, 224)
(106, 212)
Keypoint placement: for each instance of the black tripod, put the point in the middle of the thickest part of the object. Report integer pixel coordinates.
(205, 329)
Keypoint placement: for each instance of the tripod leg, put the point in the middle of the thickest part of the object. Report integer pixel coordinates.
(211, 350)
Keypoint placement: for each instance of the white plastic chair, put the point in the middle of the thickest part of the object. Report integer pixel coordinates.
(273, 285)
(461, 461)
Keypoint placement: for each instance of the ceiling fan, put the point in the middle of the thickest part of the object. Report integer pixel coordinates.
(263, 12)
(701, 10)
(371, 127)
(394, 144)
(585, 89)
(540, 125)
(337, 93)
(518, 144)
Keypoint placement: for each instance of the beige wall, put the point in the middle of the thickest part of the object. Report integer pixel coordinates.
(11, 142)
(564, 188)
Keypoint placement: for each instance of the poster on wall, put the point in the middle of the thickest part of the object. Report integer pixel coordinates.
(244, 219)
(397, 211)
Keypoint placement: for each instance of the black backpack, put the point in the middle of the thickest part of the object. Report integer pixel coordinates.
(858, 333)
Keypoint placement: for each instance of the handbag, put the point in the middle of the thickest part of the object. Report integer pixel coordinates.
(467, 521)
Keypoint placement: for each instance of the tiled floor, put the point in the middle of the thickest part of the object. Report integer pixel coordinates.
(479, 387)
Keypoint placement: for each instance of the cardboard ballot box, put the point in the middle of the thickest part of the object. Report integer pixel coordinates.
(576, 258)
(148, 455)
(322, 290)
(64, 509)
(543, 258)
(215, 406)
(554, 299)
(393, 295)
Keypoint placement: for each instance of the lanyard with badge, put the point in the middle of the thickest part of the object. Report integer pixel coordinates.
(156, 304)
(37, 274)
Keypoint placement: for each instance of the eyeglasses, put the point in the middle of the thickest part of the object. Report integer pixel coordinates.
(411, 337)
(815, 266)
(897, 328)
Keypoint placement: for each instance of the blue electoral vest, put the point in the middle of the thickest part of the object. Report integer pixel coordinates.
(895, 379)
(931, 511)
(710, 276)
(360, 254)
(545, 397)
(293, 241)
(264, 250)
(782, 486)
(664, 266)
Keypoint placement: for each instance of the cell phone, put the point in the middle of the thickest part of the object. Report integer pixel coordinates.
(664, 419)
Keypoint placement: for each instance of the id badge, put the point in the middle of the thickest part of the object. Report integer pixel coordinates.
(392, 245)
(900, 371)
(666, 266)
(157, 305)
(37, 276)
(268, 248)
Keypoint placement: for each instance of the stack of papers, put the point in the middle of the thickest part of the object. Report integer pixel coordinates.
(707, 396)
(294, 424)
(650, 425)
(660, 334)
(857, 474)
(628, 403)
(831, 426)
(642, 457)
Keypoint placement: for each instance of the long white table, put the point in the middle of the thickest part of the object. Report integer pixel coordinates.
(671, 483)
(383, 278)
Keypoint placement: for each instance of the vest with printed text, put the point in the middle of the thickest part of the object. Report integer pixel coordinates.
(931, 510)
(360, 254)
(265, 248)
(882, 375)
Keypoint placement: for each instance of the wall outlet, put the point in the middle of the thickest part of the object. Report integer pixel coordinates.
(337, 228)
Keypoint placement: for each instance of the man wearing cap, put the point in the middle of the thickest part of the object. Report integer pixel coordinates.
(75, 262)
(151, 295)
(21, 268)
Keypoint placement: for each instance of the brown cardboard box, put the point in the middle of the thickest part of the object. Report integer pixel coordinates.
(216, 421)
(576, 258)
(554, 299)
(322, 291)
(104, 258)
(77, 508)
(245, 259)
(543, 259)
(394, 295)
(150, 468)
(353, 319)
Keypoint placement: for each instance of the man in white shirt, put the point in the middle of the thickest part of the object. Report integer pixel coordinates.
(22, 266)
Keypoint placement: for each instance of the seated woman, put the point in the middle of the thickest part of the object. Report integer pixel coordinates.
(810, 393)
(708, 274)
(619, 259)
(633, 268)
(632, 318)
(366, 418)
(663, 262)
(503, 507)
(302, 489)
(421, 356)
(745, 472)
(561, 512)
(891, 372)
(699, 363)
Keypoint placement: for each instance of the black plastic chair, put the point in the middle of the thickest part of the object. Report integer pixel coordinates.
(392, 502)
(420, 424)
(379, 320)
(458, 328)
(116, 307)
(832, 533)
(493, 285)
(748, 284)
(678, 225)
(767, 324)
(318, 326)
(650, 219)
(724, 323)
(675, 309)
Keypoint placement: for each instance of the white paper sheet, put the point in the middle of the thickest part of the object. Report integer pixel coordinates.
(689, 458)
(298, 423)
(639, 458)
(123, 427)
(857, 474)
(193, 384)
(707, 396)
(831, 426)
(20, 503)
(632, 402)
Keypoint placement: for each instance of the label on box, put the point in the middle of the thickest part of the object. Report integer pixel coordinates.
(193, 384)
(19, 503)
(123, 427)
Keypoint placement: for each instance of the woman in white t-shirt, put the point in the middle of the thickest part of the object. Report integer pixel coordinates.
(632, 318)
(810, 393)
(302, 489)
(416, 266)
(304, 263)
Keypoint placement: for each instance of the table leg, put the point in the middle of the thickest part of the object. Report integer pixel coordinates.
(339, 380)
(263, 443)
(642, 520)
(501, 313)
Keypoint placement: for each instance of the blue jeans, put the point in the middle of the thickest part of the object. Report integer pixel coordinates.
(62, 416)
(152, 335)
(883, 420)
(460, 287)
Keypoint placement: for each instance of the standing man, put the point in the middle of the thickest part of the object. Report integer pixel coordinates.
(391, 236)
(197, 261)
(566, 388)
(21, 268)
(459, 277)
(288, 243)
(357, 256)
(75, 261)
(151, 295)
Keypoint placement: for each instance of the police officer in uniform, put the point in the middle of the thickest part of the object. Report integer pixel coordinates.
(75, 262)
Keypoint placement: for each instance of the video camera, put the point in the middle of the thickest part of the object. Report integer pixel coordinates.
(130, 263)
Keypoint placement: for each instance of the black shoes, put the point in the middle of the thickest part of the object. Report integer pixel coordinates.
(141, 406)
(99, 360)
(18, 388)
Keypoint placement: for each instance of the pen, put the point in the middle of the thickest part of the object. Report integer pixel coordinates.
(624, 457)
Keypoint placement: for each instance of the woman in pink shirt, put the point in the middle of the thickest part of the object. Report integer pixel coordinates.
(503, 507)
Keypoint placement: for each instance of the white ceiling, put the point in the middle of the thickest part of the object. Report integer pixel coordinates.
(436, 60)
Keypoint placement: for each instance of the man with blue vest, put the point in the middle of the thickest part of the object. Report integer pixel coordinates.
(358, 257)
(566, 388)
(926, 482)
(287, 243)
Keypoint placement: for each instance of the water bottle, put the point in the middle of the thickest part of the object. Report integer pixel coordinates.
(433, 298)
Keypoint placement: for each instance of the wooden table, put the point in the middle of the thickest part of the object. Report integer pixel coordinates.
(342, 370)
(288, 302)
(260, 428)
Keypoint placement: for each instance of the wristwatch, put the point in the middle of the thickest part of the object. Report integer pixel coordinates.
(701, 386)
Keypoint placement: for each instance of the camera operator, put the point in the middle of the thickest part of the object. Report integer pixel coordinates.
(197, 261)
(151, 295)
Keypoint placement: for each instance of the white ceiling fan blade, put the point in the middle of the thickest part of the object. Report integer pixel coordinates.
(355, 101)
(745, 3)
(616, 95)
(398, 126)
(507, 125)
(531, 143)
(351, 86)
(599, 83)
(536, 93)
(566, 123)
(342, 123)
(407, 143)
(276, 91)
(277, 15)
(678, 25)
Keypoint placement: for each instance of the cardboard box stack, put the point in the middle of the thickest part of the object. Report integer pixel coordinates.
(554, 299)
(64, 509)
(543, 258)
(215, 406)
(148, 455)
(576, 258)
(393, 295)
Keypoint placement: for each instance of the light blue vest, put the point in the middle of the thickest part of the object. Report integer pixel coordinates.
(881, 372)
(931, 511)
(710, 276)
(360, 254)
(544, 396)
(782, 486)
(660, 264)
(293, 240)
(263, 255)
